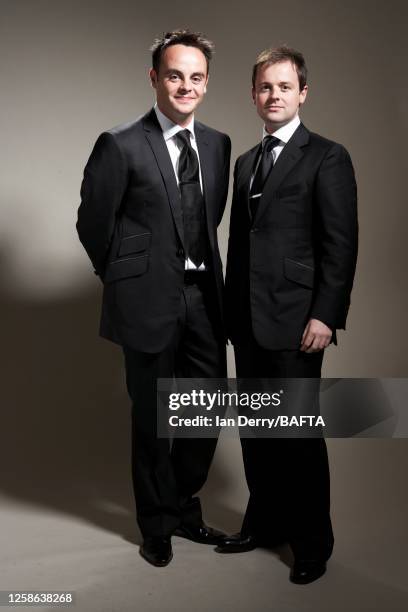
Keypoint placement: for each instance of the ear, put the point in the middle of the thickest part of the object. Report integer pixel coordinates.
(153, 77)
(253, 95)
(206, 83)
(302, 95)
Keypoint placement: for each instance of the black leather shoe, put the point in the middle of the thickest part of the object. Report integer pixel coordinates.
(200, 533)
(157, 551)
(305, 571)
(237, 543)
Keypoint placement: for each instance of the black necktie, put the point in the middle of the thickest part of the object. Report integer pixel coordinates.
(264, 167)
(192, 200)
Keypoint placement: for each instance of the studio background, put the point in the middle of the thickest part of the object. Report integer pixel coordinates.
(71, 69)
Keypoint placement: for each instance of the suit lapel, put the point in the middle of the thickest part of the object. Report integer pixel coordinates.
(155, 138)
(207, 173)
(291, 154)
(245, 173)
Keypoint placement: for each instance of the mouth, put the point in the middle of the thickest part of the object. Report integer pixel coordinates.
(184, 99)
(273, 107)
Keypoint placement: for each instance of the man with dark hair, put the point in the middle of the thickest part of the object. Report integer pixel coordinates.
(291, 261)
(181, 37)
(282, 54)
(153, 194)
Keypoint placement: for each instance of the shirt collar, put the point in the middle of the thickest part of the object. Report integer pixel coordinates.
(169, 128)
(285, 132)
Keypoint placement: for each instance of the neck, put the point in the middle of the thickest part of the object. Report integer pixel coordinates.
(183, 121)
(272, 127)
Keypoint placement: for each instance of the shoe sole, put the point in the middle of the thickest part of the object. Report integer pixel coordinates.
(164, 564)
(300, 581)
(233, 551)
(180, 534)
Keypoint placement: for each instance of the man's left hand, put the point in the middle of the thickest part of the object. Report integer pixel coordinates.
(315, 337)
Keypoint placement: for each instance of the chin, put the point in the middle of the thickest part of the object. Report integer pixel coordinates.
(275, 118)
(185, 110)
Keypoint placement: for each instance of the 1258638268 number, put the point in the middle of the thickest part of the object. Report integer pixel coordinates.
(33, 598)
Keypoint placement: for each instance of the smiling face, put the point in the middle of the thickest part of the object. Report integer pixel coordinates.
(276, 94)
(181, 82)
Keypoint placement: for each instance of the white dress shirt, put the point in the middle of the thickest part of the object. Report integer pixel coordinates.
(169, 130)
(284, 134)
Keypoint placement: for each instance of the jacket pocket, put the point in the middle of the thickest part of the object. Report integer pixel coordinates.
(127, 267)
(134, 244)
(299, 272)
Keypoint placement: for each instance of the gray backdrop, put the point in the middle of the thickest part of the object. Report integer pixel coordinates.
(69, 70)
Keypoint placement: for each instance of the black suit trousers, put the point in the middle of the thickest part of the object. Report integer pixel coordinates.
(166, 479)
(288, 478)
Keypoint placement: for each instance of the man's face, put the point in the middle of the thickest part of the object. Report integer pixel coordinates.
(181, 82)
(276, 94)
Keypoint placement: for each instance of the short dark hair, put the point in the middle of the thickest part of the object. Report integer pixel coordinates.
(181, 37)
(282, 54)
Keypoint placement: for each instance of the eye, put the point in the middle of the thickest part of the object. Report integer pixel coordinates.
(173, 77)
(285, 88)
(197, 79)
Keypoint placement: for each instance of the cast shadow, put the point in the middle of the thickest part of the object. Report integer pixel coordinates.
(65, 412)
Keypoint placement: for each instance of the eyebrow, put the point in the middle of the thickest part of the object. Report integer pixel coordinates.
(174, 71)
(280, 83)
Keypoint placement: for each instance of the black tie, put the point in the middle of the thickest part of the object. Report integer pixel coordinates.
(192, 200)
(264, 167)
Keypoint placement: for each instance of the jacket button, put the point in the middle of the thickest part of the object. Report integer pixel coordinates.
(253, 230)
(180, 252)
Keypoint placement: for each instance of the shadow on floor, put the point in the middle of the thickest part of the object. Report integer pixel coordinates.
(65, 435)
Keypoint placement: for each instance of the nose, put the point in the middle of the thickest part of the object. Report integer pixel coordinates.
(274, 93)
(185, 86)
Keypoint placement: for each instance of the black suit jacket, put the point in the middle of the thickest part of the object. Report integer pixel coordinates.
(130, 223)
(296, 259)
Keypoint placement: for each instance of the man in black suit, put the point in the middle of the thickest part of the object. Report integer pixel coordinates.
(153, 194)
(291, 261)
